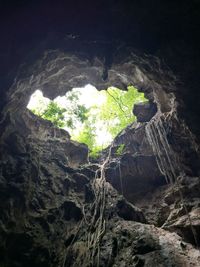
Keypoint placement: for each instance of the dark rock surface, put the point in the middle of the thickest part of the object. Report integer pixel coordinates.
(144, 245)
(47, 195)
(43, 192)
(136, 175)
(46, 179)
(144, 111)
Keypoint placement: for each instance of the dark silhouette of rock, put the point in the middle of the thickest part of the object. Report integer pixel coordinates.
(47, 195)
(144, 111)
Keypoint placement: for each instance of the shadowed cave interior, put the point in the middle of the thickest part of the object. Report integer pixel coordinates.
(140, 207)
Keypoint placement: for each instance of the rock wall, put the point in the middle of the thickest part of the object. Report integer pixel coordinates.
(44, 199)
(136, 174)
(55, 210)
(47, 192)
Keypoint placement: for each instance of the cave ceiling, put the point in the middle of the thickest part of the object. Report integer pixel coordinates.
(167, 30)
(48, 184)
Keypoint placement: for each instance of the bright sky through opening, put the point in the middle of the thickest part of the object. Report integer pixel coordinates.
(88, 96)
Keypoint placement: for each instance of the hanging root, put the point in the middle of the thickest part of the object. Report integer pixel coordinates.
(165, 156)
(93, 222)
(98, 223)
(167, 160)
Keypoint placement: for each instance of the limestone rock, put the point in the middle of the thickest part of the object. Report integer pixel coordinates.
(144, 111)
(46, 193)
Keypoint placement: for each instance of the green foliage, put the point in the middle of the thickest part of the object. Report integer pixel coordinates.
(75, 111)
(62, 117)
(95, 153)
(55, 114)
(118, 108)
(88, 137)
(113, 115)
(120, 150)
(81, 112)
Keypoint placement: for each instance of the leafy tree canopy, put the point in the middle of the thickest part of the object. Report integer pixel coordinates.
(91, 124)
(117, 110)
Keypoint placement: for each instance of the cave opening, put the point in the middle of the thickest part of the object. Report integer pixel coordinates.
(91, 116)
(137, 205)
(89, 196)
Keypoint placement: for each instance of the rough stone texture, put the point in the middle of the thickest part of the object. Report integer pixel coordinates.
(135, 174)
(46, 191)
(145, 245)
(43, 192)
(45, 178)
(135, 171)
(144, 111)
(46, 181)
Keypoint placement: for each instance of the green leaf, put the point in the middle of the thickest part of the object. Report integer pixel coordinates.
(113, 115)
(120, 149)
